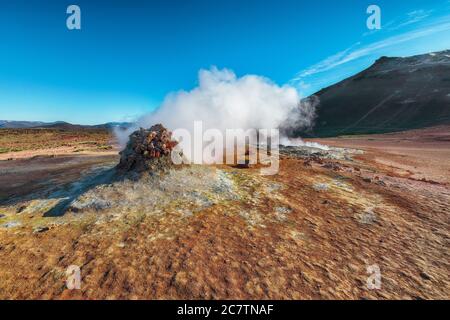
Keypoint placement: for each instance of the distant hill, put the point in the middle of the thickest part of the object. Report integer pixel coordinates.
(393, 94)
(20, 124)
(111, 125)
(60, 125)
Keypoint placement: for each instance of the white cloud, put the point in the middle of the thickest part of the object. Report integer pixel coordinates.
(327, 64)
(413, 17)
(357, 50)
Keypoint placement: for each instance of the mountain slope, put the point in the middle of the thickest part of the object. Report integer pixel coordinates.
(20, 124)
(393, 94)
(60, 125)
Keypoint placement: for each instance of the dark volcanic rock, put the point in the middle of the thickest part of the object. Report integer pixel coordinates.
(148, 150)
(394, 94)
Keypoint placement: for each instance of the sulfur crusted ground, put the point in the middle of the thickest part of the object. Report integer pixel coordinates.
(221, 232)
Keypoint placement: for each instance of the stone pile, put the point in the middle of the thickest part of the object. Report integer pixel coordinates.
(148, 150)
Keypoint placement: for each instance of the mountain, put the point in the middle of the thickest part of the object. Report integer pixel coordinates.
(393, 94)
(111, 125)
(11, 124)
(60, 125)
(20, 124)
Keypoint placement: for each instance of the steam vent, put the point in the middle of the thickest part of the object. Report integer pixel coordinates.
(148, 150)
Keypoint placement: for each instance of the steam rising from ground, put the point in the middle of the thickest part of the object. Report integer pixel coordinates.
(224, 101)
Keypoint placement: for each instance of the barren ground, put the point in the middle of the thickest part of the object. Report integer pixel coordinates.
(309, 232)
(419, 154)
(27, 143)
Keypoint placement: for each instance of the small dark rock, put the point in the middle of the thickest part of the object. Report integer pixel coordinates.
(381, 183)
(307, 163)
(21, 209)
(40, 229)
(425, 276)
(332, 166)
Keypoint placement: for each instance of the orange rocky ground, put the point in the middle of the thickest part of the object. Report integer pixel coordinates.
(418, 154)
(27, 143)
(202, 232)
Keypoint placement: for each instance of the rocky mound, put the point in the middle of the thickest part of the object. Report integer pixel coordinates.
(148, 150)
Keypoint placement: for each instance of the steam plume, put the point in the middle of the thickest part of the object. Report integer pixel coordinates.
(224, 101)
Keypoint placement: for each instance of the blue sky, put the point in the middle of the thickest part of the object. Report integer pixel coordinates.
(130, 54)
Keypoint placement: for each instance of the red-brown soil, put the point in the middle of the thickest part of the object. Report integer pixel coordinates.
(419, 154)
(309, 232)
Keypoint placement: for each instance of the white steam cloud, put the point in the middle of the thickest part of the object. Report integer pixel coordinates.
(224, 101)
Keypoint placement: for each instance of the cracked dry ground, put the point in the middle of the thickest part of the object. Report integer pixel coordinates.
(219, 232)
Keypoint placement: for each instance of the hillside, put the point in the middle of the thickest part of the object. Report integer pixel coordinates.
(60, 125)
(20, 124)
(393, 94)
